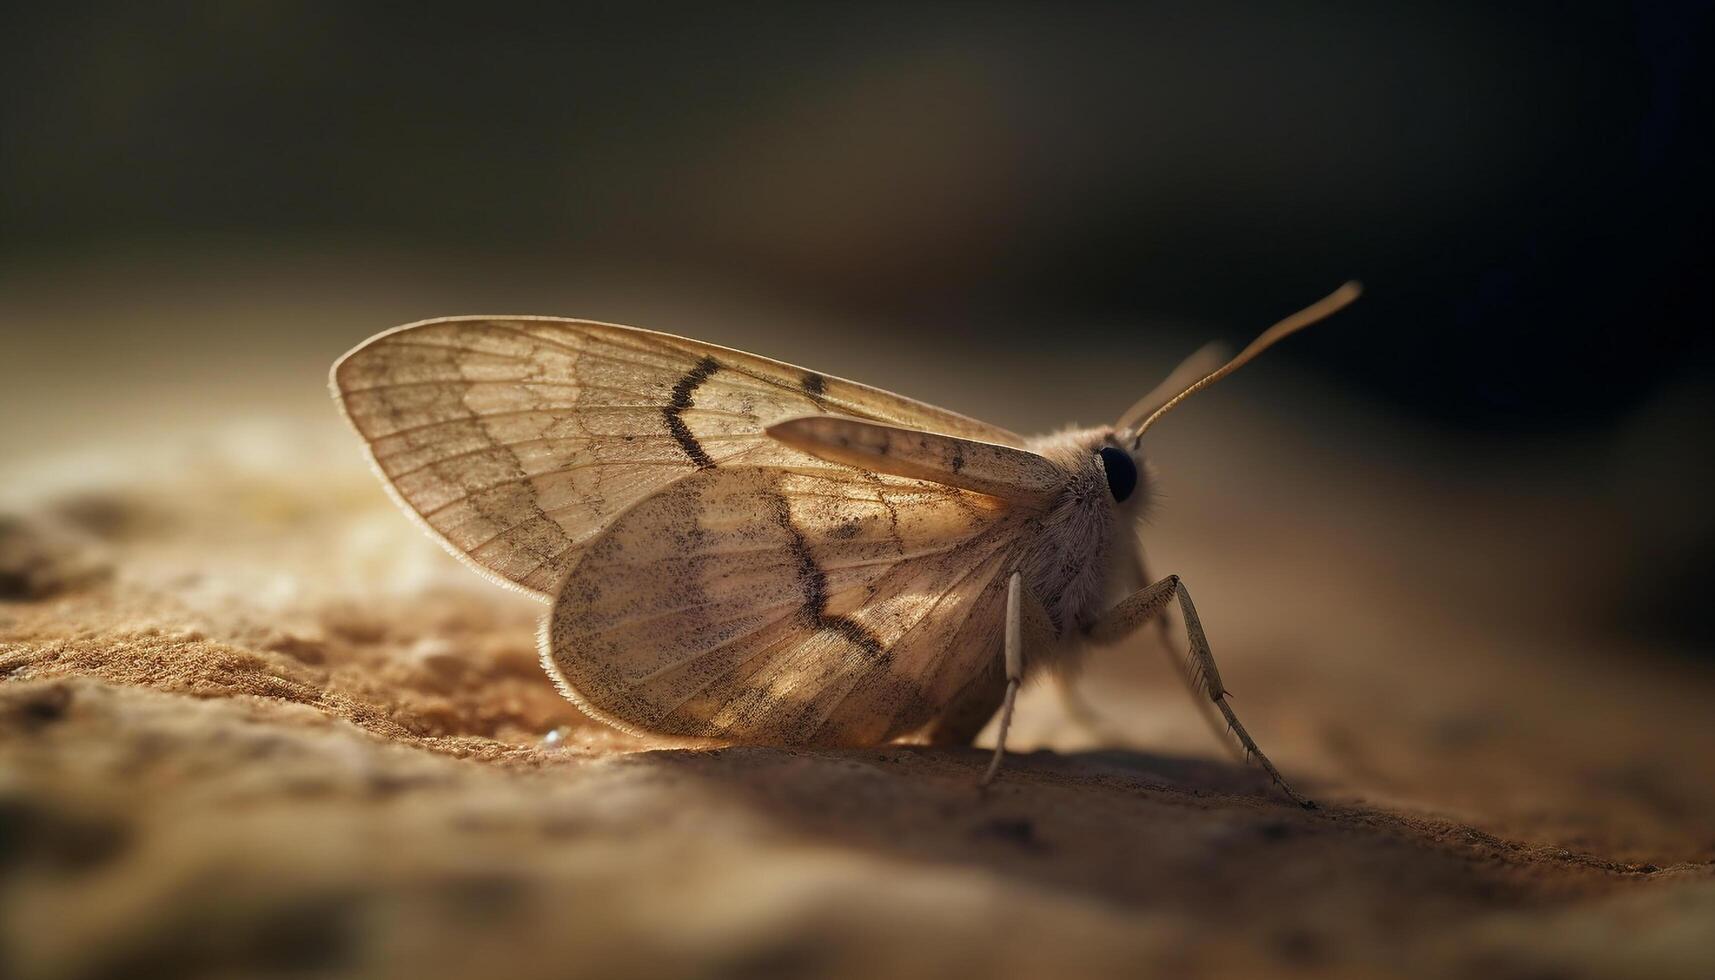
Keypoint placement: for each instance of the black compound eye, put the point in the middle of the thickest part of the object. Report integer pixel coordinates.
(1122, 472)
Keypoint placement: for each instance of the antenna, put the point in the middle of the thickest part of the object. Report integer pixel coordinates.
(1203, 360)
(1320, 310)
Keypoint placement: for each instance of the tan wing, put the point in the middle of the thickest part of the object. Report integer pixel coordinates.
(999, 471)
(515, 439)
(786, 607)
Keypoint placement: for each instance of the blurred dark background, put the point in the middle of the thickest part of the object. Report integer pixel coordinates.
(1523, 187)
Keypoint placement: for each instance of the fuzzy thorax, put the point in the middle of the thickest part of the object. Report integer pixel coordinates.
(1067, 563)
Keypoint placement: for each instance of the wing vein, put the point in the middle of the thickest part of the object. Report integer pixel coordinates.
(474, 491)
(727, 437)
(683, 662)
(845, 696)
(560, 412)
(825, 566)
(768, 387)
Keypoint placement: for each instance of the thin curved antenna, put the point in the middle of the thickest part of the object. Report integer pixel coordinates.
(1320, 310)
(1203, 360)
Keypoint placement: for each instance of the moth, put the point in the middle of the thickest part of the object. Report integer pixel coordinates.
(738, 549)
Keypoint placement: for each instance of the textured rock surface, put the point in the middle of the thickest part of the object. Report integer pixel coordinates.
(251, 724)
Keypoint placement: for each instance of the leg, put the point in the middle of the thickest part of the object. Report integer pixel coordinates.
(1149, 603)
(1014, 671)
(1084, 715)
(1164, 634)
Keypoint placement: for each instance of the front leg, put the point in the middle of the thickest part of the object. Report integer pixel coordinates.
(1147, 604)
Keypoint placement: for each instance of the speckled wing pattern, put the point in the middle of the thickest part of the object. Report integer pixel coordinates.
(779, 606)
(515, 440)
(707, 579)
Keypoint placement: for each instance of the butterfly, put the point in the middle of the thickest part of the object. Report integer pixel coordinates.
(735, 548)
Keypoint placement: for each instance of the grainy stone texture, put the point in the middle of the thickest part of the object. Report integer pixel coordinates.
(253, 724)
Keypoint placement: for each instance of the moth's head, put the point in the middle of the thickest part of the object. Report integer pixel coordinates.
(1123, 468)
(1199, 371)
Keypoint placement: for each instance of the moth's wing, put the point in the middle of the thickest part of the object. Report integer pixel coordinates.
(774, 606)
(1015, 475)
(515, 439)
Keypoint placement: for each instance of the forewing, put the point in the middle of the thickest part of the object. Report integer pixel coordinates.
(1015, 475)
(515, 439)
(785, 607)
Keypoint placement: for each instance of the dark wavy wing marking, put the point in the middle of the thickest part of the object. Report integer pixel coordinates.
(787, 607)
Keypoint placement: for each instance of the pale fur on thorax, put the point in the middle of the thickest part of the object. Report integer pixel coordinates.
(1081, 544)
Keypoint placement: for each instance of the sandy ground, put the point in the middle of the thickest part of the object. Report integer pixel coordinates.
(252, 723)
